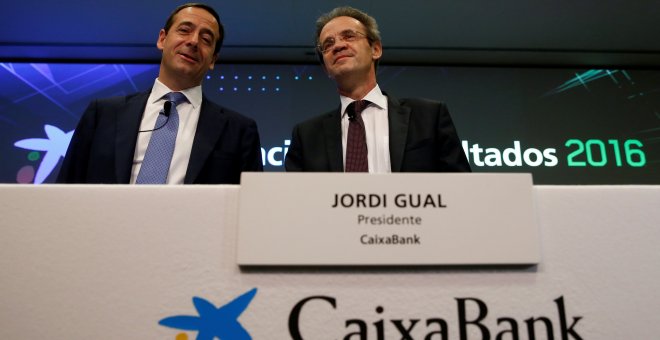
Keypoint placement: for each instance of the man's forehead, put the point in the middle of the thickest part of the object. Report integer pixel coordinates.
(197, 16)
(339, 24)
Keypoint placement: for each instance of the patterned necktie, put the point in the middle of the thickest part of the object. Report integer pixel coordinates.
(356, 144)
(157, 159)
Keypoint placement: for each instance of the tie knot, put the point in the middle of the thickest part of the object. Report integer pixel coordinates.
(175, 97)
(355, 108)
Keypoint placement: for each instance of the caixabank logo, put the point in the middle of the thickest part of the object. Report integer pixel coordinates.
(473, 321)
(211, 322)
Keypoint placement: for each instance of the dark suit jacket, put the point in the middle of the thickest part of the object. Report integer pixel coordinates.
(422, 139)
(102, 148)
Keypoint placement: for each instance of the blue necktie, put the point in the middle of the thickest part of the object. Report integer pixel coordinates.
(157, 159)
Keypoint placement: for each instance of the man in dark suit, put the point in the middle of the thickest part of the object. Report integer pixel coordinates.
(385, 134)
(211, 145)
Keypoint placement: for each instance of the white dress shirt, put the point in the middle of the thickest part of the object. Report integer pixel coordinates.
(376, 128)
(188, 117)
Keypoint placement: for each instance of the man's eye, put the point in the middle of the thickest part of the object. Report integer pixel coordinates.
(327, 44)
(348, 35)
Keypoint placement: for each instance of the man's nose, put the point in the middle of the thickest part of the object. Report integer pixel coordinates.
(193, 40)
(339, 45)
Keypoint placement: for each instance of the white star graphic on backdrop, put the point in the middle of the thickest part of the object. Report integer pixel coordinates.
(55, 147)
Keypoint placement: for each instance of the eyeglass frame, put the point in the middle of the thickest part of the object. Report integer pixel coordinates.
(342, 37)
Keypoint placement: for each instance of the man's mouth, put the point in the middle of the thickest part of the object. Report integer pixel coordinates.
(337, 59)
(188, 57)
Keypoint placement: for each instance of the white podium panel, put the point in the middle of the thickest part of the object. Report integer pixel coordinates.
(128, 262)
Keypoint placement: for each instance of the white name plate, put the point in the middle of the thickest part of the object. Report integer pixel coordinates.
(392, 219)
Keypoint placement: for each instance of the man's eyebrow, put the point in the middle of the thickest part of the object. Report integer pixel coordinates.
(185, 23)
(203, 29)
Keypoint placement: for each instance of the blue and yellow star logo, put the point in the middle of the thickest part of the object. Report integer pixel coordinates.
(213, 322)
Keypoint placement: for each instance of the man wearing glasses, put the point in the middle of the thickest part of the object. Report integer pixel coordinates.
(371, 131)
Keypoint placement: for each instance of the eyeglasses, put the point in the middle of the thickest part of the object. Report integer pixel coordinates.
(347, 35)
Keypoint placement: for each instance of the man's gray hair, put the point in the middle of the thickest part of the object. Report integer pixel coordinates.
(373, 34)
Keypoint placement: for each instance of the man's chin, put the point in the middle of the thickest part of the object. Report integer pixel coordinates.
(187, 68)
(338, 72)
(194, 75)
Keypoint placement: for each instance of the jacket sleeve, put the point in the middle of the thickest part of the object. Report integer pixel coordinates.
(252, 157)
(450, 148)
(293, 160)
(76, 159)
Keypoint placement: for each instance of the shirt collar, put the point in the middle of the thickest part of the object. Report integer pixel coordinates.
(193, 94)
(375, 96)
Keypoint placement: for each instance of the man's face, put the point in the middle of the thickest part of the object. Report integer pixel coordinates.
(348, 57)
(188, 47)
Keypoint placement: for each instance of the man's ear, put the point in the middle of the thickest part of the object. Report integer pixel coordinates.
(376, 50)
(215, 60)
(161, 38)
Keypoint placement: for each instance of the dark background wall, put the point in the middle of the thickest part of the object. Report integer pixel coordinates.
(590, 32)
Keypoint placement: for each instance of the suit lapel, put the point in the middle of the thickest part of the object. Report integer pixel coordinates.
(210, 127)
(332, 131)
(398, 117)
(128, 125)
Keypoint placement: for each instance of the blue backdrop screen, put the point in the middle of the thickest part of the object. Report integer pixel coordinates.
(565, 126)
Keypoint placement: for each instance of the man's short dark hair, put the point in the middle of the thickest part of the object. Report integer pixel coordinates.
(170, 21)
